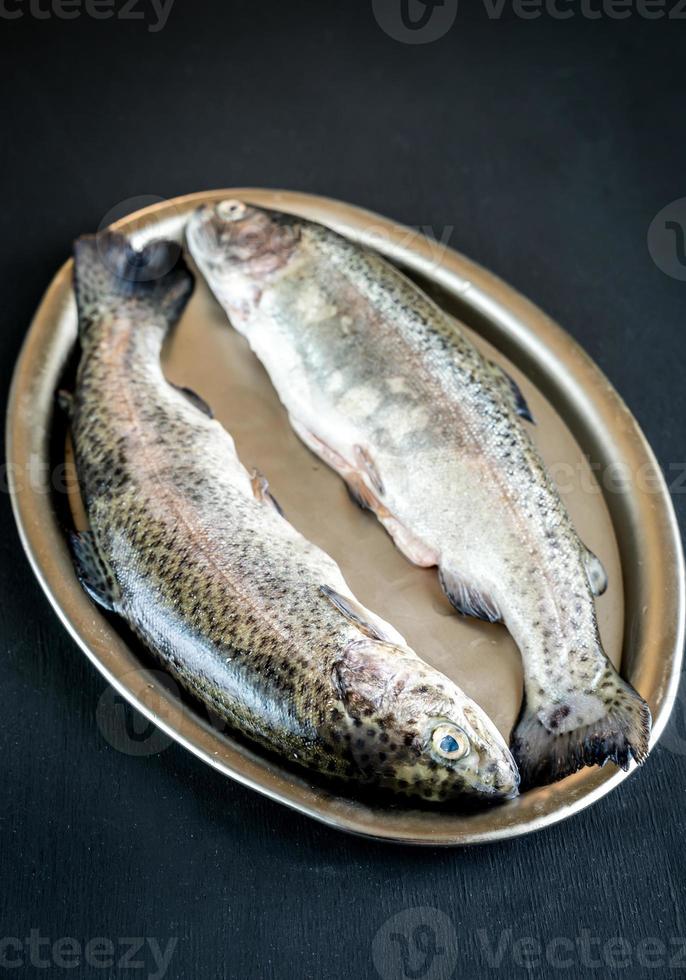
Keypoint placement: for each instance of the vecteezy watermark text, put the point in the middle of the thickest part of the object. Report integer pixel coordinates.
(423, 21)
(125, 953)
(155, 13)
(584, 949)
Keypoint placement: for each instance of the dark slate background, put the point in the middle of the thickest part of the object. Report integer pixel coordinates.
(550, 146)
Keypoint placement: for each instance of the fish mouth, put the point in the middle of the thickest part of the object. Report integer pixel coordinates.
(503, 785)
(495, 772)
(203, 232)
(495, 779)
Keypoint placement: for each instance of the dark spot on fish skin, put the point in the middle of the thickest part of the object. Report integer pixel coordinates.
(559, 715)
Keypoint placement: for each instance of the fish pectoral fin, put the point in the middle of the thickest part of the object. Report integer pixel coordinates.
(597, 576)
(357, 614)
(362, 677)
(195, 399)
(93, 572)
(260, 487)
(468, 600)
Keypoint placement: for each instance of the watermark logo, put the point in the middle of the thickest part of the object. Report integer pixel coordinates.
(137, 263)
(416, 944)
(415, 21)
(667, 239)
(126, 729)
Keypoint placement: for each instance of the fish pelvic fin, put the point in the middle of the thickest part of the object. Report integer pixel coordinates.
(65, 402)
(611, 725)
(109, 270)
(468, 600)
(196, 400)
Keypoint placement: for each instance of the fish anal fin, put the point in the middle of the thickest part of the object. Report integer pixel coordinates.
(357, 614)
(368, 465)
(468, 600)
(597, 576)
(196, 400)
(93, 572)
(260, 487)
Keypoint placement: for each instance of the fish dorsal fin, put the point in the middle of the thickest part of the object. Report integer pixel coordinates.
(468, 600)
(597, 576)
(519, 402)
(521, 405)
(356, 613)
(196, 400)
(93, 572)
(260, 488)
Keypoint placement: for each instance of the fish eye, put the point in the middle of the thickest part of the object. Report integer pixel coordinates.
(230, 210)
(450, 742)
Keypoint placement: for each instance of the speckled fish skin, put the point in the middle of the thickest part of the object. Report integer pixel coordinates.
(244, 612)
(429, 435)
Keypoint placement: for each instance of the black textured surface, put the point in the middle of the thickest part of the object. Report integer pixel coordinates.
(548, 146)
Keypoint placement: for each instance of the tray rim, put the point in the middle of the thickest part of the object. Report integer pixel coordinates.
(560, 367)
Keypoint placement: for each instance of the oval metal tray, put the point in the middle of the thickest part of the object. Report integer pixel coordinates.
(586, 435)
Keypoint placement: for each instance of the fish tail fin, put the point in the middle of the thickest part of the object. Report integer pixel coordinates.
(108, 269)
(582, 730)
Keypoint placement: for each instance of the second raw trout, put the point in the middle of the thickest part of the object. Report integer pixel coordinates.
(431, 436)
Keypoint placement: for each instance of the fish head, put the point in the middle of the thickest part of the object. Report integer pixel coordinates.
(238, 246)
(417, 733)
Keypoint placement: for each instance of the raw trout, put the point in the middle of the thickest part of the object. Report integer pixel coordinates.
(429, 435)
(193, 553)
